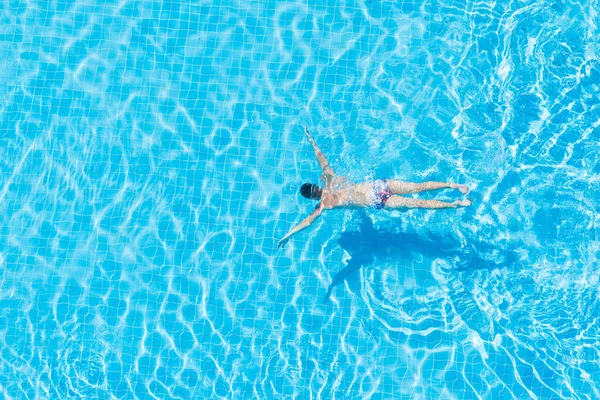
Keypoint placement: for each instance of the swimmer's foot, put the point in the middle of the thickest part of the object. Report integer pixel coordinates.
(464, 189)
(462, 203)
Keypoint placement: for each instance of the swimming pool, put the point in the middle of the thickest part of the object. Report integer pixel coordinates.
(151, 158)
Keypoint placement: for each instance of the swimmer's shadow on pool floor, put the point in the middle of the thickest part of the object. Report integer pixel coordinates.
(367, 243)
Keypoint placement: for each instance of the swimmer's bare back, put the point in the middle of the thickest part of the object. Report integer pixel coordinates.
(338, 192)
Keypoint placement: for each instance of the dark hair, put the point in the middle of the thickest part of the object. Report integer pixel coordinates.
(309, 190)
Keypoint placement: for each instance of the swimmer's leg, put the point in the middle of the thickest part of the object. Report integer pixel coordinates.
(401, 187)
(406, 202)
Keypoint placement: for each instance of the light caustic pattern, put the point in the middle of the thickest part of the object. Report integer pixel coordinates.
(151, 154)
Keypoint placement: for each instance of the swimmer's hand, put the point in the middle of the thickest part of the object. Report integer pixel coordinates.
(307, 133)
(283, 242)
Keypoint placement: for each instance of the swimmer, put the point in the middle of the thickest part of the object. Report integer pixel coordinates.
(378, 194)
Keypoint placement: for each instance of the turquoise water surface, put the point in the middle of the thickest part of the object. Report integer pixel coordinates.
(150, 160)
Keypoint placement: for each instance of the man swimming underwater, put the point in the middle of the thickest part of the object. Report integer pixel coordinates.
(378, 194)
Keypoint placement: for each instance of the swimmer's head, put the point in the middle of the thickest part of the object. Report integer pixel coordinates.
(311, 191)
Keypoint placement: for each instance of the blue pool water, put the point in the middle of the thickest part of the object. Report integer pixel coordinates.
(151, 154)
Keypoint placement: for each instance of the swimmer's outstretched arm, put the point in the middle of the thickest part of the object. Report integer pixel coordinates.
(327, 170)
(305, 222)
